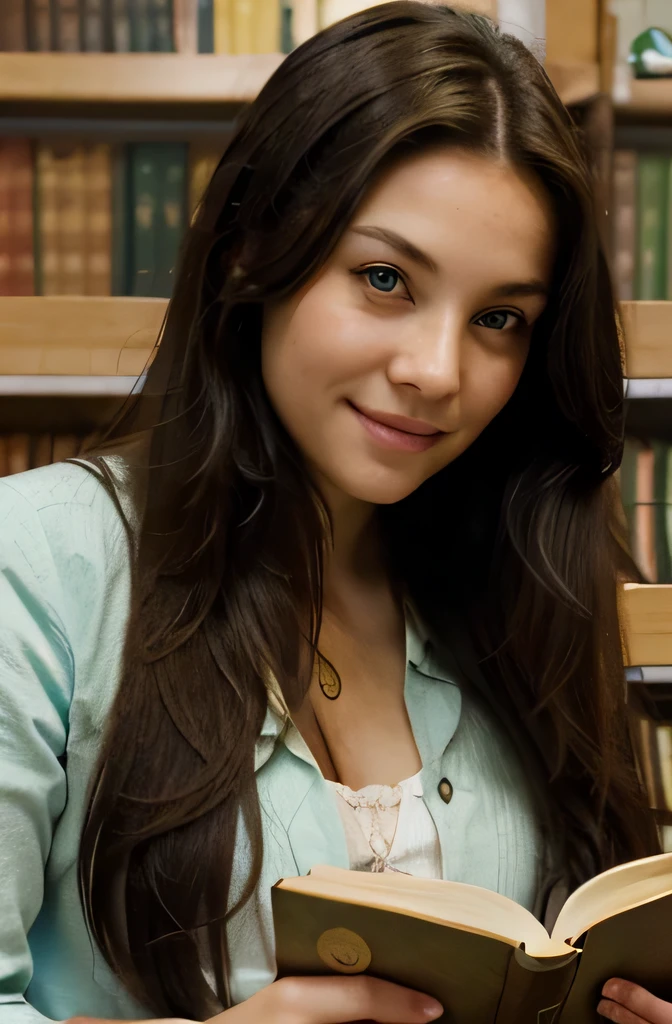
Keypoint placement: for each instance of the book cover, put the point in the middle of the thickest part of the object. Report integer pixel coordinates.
(267, 26)
(652, 190)
(185, 25)
(121, 221)
(203, 160)
(172, 219)
(98, 220)
(39, 27)
(223, 12)
(286, 27)
(141, 26)
(6, 240)
(21, 227)
(144, 199)
(13, 18)
(645, 547)
(246, 23)
(206, 26)
(624, 238)
(660, 487)
(40, 450)
(66, 33)
(92, 26)
(664, 733)
(48, 260)
(161, 19)
(71, 220)
(18, 453)
(65, 446)
(120, 25)
(481, 955)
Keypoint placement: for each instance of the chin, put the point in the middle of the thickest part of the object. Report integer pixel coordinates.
(383, 488)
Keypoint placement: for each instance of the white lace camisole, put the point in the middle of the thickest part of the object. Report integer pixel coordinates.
(389, 828)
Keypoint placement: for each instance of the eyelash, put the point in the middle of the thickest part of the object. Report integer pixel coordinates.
(522, 320)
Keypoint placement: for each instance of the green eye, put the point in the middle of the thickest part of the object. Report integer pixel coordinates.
(497, 320)
(383, 279)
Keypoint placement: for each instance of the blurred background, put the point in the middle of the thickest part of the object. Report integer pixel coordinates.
(113, 115)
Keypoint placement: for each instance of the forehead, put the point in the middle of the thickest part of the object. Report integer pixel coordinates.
(452, 202)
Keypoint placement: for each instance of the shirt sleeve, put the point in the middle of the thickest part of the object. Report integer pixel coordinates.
(36, 680)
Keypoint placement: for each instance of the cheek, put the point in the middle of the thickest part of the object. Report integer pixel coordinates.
(491, 381)
(314, 346)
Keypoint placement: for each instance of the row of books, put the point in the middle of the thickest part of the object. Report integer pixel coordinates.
(81, 218)
(144, 26)
(21, 452)
(642, 237)
(646, 490)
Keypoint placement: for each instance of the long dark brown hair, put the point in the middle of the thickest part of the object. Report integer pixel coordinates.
(519, 538)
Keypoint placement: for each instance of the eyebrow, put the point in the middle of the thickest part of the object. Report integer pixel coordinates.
(401, 244)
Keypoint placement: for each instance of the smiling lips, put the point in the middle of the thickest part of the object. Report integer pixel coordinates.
(398, 432)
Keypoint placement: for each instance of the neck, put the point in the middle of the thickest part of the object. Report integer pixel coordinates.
(355, 557)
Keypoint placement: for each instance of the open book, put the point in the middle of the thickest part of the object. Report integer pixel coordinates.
(487, 959)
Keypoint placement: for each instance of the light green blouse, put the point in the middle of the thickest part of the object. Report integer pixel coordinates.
(64, 601)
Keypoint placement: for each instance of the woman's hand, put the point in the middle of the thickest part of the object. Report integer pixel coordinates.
(626, 1003)
(333, 1000)
(329, 1000)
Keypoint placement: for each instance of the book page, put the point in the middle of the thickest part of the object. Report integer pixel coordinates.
(613, 892)
(467, 907)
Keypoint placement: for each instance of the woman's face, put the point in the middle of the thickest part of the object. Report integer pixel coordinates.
(390, 362)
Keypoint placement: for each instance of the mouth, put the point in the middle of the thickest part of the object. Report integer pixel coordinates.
(393, 437)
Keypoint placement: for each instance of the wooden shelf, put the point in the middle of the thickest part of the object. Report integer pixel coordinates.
(649, 97)
(647, 327)
(646, 619)
(134, 78)
(574, 81)
(68, 336)
(205, 79)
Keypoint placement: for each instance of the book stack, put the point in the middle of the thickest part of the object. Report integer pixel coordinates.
(146, 26)
(20, 452)
(78, 218)
(642, 239)
(646, 490)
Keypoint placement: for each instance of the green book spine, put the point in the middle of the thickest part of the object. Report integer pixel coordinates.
(121, 222)
(144, 175)
(660, 466)
(161, 18)
(286, 33)
(173, 214)
(652, 190)
(141, 26)
(206, 26)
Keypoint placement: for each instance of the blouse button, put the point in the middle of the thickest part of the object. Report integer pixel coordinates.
(445, 791)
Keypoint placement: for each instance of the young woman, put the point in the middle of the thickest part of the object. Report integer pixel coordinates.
(341, 585)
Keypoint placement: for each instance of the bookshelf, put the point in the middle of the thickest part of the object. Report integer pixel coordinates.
(203, 80)
(646, 617)
(133, 79)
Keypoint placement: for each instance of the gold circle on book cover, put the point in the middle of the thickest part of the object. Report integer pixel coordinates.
(343, 951)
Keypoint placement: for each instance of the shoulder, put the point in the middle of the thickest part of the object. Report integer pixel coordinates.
(59, 527)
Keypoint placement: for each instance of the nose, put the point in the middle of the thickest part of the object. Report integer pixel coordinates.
(428, 356)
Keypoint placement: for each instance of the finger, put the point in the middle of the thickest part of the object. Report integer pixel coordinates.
(338, 1001)
(618, 1013)
(638, 1001)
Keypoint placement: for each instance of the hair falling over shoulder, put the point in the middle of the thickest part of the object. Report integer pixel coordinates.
(227, 553)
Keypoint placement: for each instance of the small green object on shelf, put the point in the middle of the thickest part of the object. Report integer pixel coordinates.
(651, 54)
